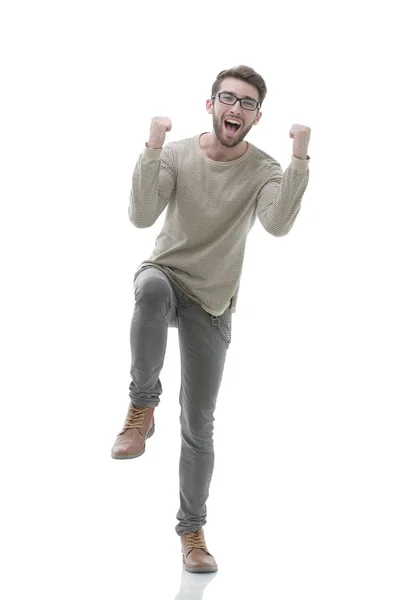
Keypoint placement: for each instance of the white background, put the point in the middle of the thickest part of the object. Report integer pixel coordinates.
(311, 489)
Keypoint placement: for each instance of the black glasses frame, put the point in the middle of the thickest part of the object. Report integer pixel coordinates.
(240, 100)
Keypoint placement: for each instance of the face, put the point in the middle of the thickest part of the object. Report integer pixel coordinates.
(221, 112)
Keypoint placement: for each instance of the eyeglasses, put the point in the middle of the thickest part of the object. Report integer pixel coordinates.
(247, 103)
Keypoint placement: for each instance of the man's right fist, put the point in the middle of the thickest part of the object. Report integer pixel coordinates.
(159, 127)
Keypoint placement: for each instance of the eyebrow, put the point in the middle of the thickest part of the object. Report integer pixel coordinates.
(232, 93)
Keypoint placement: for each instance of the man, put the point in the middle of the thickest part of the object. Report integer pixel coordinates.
(214, 185)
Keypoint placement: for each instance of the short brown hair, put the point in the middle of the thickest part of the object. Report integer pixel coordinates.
(245, 74)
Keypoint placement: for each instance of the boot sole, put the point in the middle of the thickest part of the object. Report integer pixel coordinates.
(149, 434)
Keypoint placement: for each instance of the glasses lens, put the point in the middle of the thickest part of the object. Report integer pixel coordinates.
(249, 104)
(228, 98)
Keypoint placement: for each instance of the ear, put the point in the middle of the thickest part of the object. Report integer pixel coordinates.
(209, 107)
(257, 119)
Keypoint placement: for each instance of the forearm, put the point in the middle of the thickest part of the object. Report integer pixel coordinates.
(280, 202)
(152, 186)
(144, 192)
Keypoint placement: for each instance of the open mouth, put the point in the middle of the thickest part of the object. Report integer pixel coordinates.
(231, 126)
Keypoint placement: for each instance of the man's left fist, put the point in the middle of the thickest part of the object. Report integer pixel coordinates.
(301, 135)
(300, 131)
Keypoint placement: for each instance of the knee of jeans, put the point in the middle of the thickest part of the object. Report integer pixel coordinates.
(152, 291)
(199, 443)
(198, 430)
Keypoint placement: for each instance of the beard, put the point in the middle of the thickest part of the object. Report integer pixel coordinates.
(219, 128)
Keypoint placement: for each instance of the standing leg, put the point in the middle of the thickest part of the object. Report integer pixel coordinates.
(204, 341)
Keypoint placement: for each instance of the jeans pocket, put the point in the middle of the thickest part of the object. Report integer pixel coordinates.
(223, 324)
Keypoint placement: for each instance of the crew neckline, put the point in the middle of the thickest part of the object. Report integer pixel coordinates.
(201, 152)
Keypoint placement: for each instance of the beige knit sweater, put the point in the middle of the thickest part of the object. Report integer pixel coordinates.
(211, 207)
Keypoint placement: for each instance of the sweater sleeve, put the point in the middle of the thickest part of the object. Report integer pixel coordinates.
(279, 200)
(153, 184)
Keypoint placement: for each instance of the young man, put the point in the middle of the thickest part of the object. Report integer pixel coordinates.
(214, 185)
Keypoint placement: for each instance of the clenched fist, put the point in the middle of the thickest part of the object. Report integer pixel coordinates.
(159, 127)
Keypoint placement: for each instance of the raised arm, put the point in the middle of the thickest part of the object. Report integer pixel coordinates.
(154, 177)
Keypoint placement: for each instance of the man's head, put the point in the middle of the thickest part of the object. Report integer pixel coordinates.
(241, 82)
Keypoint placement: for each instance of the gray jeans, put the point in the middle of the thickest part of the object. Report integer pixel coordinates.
(204, 341)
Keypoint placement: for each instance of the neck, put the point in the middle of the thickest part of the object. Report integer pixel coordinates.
(214, 150)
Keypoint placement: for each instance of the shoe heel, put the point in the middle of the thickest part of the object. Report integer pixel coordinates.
(150, 433)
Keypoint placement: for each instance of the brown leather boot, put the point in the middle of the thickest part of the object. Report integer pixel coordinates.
(138, 426)
(196, 557)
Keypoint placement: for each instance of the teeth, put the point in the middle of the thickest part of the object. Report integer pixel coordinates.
(231, 121)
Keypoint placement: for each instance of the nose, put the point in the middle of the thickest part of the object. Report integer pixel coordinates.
(236, 108)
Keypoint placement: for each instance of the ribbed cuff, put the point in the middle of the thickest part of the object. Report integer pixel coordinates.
(298, 164)
(150, 154)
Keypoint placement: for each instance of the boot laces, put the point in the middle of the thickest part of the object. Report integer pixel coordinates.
(135, 417)
(194, 540)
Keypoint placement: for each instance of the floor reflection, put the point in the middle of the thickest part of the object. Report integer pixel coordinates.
(193, 585)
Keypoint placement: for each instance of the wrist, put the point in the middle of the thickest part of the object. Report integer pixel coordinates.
(153, 146)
